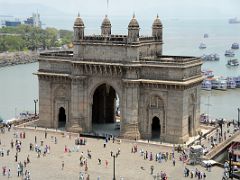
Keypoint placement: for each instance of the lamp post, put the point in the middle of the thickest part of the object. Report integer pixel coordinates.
(114, 176)
(238, 117)
(35, 102)
(230, 163)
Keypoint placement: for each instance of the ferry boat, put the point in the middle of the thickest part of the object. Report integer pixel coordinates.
(207, 85)
(207, 73)
(202, 46)
(235, 46)
(233, 20)
(231, 84)
(205, 35)
(233, 62)
(211, 57)
(219, 84)
(229, 53)
(237, 80)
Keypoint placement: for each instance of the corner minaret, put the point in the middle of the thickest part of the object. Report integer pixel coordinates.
(133, 30)
(106, 27)
(78, 29)
(157, 29)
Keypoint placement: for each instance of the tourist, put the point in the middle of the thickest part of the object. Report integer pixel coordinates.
(106, 163)
(151, 169)
(174, 162)
(9, 173)
(18, 169)
(62, 165)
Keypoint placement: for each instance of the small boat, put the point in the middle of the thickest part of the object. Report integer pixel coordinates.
(234, 20)
(235, 46)
(233, 62)
(207, 73)
(206, 85)
(205, 35)
(210, 57)
(219, 84)
(229, 53)
(202, 46)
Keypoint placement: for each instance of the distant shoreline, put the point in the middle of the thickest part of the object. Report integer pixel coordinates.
(16, 58)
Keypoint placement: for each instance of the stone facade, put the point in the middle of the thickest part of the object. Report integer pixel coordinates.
(149, 85)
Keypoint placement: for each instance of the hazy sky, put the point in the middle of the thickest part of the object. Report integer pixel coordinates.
(166, 8)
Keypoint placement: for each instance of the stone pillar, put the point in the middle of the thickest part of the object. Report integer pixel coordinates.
(76, 113)
(130, 129)
(45, 103)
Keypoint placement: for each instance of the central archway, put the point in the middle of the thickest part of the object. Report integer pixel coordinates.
(105, 110)
(61, 118)
(156, 128)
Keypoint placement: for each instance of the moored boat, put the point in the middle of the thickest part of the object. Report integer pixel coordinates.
(207, 73)
(234, 20)
(207, 85)
(237, 80)
(231, 84)
(210, 57)
(219, 84)
(205, 35)
(229, 53)
(233, 62)
(202, 46)
(235, 46)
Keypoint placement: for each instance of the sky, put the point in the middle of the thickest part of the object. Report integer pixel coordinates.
(184, 8)
(66, 10)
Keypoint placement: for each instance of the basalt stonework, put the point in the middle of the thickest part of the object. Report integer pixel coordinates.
(159, 94)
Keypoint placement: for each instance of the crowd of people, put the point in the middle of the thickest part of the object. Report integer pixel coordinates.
(43, 149)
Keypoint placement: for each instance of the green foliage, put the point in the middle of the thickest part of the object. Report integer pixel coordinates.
(26, 37)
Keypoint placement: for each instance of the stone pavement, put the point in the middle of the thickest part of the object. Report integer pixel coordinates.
(130, 166)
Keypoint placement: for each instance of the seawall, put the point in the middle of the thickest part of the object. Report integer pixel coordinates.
(15, 58)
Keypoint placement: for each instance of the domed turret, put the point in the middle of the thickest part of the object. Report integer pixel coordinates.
(106, 26)
(78, 21)
(157, 23)
(133, 23)
(157, 29)
(78, 28)
(133, 30)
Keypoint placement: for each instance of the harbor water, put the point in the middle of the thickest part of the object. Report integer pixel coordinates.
(19, 87)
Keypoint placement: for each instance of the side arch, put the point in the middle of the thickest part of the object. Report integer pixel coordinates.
(156, 108)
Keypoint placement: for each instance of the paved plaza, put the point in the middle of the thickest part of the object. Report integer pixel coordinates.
(129, 166)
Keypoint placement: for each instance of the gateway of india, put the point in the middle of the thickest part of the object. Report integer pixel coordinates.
(159, 95)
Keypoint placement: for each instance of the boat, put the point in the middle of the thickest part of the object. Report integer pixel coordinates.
(206, 85)
(231, 84)
(210, 57)
(207, 73)
(235, 46)
(219, 84)
(237, 80)
(233, 62)
(234, 20)
(205, 35)
(202, 46)
(229, 53)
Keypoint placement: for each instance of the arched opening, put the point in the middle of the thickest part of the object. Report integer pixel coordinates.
(156, 128)
(61, 118)
(106, 111)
